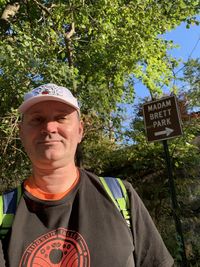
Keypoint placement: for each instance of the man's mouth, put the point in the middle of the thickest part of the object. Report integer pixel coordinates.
(48, 142)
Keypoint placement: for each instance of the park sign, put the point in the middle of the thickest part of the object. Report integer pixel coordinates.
(162, 119)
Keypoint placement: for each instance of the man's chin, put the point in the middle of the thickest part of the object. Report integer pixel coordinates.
(51, 157)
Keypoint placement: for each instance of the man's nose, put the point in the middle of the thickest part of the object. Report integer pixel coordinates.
(49, 127)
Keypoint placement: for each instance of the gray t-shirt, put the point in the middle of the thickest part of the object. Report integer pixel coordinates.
(84, 229)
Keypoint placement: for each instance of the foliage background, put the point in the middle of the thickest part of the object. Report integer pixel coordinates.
(98, 49)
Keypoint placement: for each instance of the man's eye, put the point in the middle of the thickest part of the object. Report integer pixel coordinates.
(62, 118)
(36, 120)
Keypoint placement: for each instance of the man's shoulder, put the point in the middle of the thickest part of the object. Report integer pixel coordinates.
(88, 173)
(9, 200)
(94, 176)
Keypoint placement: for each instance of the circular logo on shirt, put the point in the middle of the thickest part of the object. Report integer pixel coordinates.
(58, 248)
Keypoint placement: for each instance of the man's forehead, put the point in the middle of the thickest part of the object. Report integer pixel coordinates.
(50, 106)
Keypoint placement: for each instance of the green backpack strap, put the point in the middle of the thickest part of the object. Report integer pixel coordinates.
(8, 205)
(118, 193)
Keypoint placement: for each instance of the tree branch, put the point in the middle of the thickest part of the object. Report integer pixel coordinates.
(8, 13)
(68, 43)
(42, 7)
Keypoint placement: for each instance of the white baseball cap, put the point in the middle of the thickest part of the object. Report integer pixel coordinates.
(46, 92)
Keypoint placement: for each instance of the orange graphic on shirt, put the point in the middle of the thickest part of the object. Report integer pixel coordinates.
(58, 248)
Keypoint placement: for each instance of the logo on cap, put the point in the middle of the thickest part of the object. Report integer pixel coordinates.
(48, 90)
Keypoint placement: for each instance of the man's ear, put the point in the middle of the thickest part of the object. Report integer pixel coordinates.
(81, 131)
(21, 133)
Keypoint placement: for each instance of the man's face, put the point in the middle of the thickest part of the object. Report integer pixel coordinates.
(50, 132)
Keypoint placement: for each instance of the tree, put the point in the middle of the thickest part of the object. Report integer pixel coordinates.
(192, 81)
(92, 47)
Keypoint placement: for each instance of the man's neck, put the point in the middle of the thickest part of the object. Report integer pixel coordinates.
(54, 180)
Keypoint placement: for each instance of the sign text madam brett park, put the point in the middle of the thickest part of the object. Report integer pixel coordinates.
(162, 120)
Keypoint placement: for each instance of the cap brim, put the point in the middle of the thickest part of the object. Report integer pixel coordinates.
(37, 99)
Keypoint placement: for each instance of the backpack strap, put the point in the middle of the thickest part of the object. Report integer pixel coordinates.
(8, 205)
(118, 193)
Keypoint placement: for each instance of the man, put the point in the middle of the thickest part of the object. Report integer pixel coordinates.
(65, 217)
